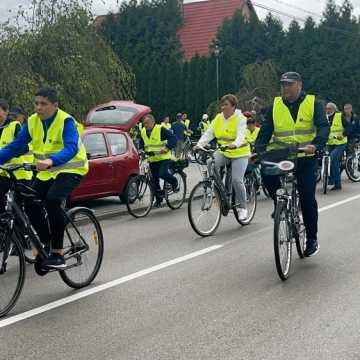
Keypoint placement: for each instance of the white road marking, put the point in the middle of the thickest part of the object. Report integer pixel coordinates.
(339, 203)
(113, 283)
(108, 285)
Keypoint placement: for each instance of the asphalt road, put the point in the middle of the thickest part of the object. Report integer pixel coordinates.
(178, 296)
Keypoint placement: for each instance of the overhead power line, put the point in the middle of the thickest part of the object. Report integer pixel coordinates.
(299, 8)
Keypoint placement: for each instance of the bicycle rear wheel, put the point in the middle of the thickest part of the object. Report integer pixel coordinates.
(325, 176)
(139, 196)
(204, 209)
(175, 200)
(251, 200)
(282, 241)
(352, 167)
(83, 248)
(12, 271)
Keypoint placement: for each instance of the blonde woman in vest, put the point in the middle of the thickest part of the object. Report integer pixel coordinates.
(297, 118)
(229, 129)
(61, 163)
(340, 128)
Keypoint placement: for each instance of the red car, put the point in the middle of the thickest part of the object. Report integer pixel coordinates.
(113, 158)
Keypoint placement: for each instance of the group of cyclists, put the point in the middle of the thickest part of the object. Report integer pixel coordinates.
(295, 119)
(51, 139)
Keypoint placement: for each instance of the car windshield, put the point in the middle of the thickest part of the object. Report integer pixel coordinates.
(111, 115)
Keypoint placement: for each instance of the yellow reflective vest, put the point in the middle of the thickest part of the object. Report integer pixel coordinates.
(166, 125)
(337, 129)
(153, 143)
(205, 126)
(286, 130)
(7, 137)
(226, 133)
(251, 136)
(53, 144)
(186, 123)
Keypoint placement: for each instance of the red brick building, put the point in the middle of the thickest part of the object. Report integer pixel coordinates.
(202, 20)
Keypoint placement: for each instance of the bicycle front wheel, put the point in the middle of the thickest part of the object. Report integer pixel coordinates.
(12, 272)
(251, 200)
(139, 196)
(282, 241)
(175, 200)
(204, 209)
(83, 248)
(352, 168)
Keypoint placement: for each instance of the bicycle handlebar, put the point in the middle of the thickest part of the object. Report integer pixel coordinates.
(12, 168)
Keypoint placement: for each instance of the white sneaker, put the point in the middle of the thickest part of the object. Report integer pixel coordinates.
(243, 214)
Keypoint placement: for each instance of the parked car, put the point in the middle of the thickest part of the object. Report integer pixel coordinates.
(113, 158)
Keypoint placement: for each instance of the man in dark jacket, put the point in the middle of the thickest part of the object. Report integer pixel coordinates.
(303, 117)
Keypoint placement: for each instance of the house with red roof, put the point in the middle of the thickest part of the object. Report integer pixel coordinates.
(203, 18)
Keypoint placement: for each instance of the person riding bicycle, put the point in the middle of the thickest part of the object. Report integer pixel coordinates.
(187, 123)
(296, 118)
(179, 130)
(160, 141)
(61, 162)
(252, 131)
(204, 124)
(340, 128)
(229, 129)
(8, 132)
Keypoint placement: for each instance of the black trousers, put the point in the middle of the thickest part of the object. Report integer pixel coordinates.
(306, 180)
(4, 188)
(53, 192)
(161, 170)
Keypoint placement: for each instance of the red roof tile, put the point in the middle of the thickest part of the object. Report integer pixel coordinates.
(202, 20)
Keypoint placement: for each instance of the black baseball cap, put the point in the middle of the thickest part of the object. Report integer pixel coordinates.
(17, 110)
(291, 77)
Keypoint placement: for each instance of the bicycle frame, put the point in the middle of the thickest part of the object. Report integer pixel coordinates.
(225, 191)
(14, 213)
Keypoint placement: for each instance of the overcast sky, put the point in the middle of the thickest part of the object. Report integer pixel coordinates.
(292, 7)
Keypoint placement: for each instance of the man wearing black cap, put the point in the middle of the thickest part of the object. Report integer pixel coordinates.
(297, 118)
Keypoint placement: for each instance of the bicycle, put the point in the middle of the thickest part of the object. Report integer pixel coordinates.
(187, 152)
(288, 222)
(213, 198)
(352, 162)
(347, 163)
(83, 255)
(140, 191)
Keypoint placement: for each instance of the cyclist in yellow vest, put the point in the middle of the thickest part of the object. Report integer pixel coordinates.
(8, 131)
(160, 141)
(297, 118)
(340, 128)
(18, 114)
(229, 129)
(166, 123)
(252, 131)
(61, 162)
(187, 123)
(204, 124)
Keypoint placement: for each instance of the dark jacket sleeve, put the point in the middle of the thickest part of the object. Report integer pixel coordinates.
(170, 137)
(322, 126)
(348, 127)
(266, 131)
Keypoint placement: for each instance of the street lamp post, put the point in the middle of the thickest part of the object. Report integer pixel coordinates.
(217, 53)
